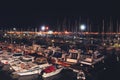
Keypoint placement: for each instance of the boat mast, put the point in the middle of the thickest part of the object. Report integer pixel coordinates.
(117, 27)
(79, 23)
(76, 26)
(88, 28)
(87, 24)
(64, 24)
(69, 26)
(103, 31)
(110, 28)
(58, 26)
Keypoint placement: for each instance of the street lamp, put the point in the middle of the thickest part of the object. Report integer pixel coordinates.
(50, 32)
(5, 34)
(47, 28)
(82, 27)
(14, 29)
(43, 28)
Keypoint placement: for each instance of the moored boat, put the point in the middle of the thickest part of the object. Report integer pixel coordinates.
(51, 71)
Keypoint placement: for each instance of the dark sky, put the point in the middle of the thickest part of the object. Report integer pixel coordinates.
(33, 13)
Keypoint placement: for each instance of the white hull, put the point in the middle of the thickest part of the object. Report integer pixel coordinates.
(46, 75)
(24, 72)
(29, 72)
(92, 63)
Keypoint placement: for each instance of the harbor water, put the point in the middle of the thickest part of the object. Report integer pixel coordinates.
(110, 73)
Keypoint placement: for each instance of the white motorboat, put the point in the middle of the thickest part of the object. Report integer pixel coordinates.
(27, 58)
(17, 55)
(90, 61)
(93, 59)
(51, 71)
(27, 69)
(25, 66)
(24, 72)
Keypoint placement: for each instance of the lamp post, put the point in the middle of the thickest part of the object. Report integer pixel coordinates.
(82, 28)
(43, 28)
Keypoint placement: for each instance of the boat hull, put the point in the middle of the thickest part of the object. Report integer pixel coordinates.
(46, 75)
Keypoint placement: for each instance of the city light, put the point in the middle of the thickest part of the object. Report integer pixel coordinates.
(43, 28)
(5, 34)
(50, 32)
(14, 29)
(82, 27)
(66, 32)
(47, 28)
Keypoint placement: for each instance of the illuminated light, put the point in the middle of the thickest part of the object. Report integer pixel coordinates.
(53, 40)
(39, 33)
(43, 28)
(86, 32)
(50, 32)
(14, 29)
(28, 35)
(55, 32)
(5, 34)
(18, 32)
(66, 32)
(47, 28)
(11, 32)
(23, 34)
(82, 27)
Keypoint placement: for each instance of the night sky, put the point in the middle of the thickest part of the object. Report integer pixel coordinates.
(31, 14)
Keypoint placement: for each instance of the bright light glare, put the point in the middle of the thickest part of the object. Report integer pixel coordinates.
(14, 29)
(47, 28)
(23, 34)
(82, 27)
(50, 32)
(43, 28)
(5, 34)
(66, 32)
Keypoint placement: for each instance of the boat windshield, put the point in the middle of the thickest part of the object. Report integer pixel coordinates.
(57, 55)
(18, 54)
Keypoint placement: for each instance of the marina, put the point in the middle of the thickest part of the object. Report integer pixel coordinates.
(53, 60)
(59, 40)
